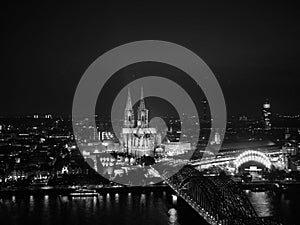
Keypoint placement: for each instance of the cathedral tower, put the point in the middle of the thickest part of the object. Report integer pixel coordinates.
(142, 120)
(128, 113)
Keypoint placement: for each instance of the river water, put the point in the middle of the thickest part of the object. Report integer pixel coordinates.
(284, 206)
(130, 209)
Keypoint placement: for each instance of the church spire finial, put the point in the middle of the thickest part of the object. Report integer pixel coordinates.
(142, 102)
(128, 103)
(128, 114)
(142, 93)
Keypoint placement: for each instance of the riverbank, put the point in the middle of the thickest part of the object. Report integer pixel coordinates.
(272, 186)
(48, 190)
(66, 190)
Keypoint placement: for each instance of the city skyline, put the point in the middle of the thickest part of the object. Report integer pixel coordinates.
(150, 113)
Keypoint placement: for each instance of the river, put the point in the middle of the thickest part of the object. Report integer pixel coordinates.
(130, 208)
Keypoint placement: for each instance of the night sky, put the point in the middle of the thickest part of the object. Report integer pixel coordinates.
(253, 49)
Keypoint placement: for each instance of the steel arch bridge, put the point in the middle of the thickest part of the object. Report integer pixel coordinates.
(217, 199)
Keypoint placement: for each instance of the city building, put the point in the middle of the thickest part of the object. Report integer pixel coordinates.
(205, 109)
(138, 139)
(267, 115)
(176, 148)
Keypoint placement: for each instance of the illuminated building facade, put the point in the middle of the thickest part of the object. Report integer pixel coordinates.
(138, 138)
(176, 148)
(267, 115)
(205, 109)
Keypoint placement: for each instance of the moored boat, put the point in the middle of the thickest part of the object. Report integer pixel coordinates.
(84, 193)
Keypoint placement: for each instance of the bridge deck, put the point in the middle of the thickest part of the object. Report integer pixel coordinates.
(217, 199)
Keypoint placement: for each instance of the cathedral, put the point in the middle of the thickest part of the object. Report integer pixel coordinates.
(138, 139)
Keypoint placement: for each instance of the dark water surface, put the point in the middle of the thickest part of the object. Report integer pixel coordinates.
(130, 209)
(285, 206)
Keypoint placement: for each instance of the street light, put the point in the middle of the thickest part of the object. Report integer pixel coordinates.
(105, 144)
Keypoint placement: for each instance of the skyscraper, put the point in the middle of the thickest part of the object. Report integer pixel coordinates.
(205, 109)
(267, 115)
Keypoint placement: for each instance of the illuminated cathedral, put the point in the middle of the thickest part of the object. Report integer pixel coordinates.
(138, 139)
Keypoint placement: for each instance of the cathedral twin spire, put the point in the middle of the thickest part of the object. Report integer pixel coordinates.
(142, 114)
(128, 103)
(128, 113)
(142, 102)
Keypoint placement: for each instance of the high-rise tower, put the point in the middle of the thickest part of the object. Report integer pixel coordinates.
(128, 113)
(205, 109)
(142, 120)
(267, 115)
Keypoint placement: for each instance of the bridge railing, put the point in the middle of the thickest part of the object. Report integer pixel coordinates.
(218, 199)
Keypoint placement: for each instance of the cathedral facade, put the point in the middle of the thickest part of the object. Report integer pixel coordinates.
(138, 139)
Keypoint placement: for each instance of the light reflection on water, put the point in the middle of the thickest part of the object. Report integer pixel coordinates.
(142, 200)
(261, 202)
(284, 206)
(127, 208)
(115, 209)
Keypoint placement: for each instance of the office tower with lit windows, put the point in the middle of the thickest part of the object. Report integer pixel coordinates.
(205, 109)
(267, 115)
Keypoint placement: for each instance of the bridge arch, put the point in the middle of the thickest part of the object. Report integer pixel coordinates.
(252, 155)
(218, 199)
